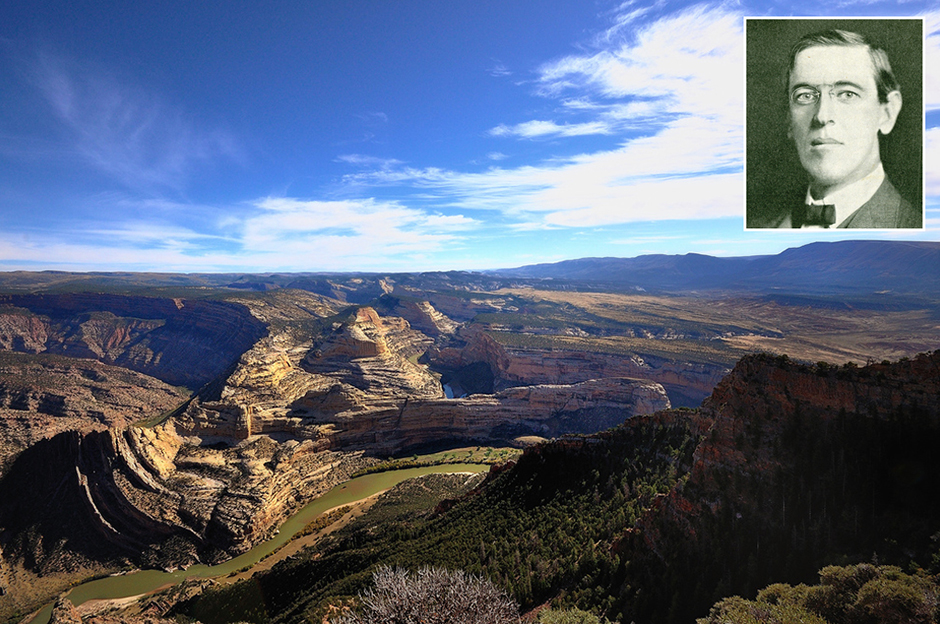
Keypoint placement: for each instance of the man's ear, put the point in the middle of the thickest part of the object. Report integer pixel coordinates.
(889, 112)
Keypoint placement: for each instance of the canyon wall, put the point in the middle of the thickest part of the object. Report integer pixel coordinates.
(180, 341)
(686, 382)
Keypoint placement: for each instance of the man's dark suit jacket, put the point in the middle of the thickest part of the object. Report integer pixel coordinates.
(885, 209)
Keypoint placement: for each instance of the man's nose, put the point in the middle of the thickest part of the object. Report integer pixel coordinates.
(824, 109)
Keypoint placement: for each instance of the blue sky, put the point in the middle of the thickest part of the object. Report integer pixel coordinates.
(385, 136)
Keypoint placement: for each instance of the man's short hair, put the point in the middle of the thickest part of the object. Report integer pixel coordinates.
(884, 75)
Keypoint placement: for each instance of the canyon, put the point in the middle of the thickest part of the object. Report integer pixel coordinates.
(299, 392)
(170, 420)
(786, 469)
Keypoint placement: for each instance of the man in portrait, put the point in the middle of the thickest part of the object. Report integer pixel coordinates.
(842, 100)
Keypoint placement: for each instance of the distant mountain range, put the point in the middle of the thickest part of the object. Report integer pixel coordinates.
(896, 267)
(854, 269)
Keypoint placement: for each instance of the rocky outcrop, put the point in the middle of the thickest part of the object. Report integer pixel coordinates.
(360, 388)
(181, 342)
(310, 400)
(546, 411)
(419, 313)
(375, 354)
(802, 465)
(686, 382)
(156, 497)
(64, 612)
(41, 396)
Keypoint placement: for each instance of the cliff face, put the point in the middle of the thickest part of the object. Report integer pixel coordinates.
(41, 396)
(359, 388)
(803, 466)
(181, 342)
(148, 494)
(305, 406)
(546, 411)
(688, 382)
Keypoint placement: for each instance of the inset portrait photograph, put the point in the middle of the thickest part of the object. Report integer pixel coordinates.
(835, 123)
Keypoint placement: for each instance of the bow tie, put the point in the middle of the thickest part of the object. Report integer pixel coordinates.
(813, 214)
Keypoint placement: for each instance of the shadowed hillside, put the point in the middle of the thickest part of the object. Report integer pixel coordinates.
(785, 469)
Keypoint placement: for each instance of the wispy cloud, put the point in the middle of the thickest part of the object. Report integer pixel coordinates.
(273, 233)
(689, 63)
(339, 234)
(499, 70)
(932, 162)
(373, 117)
(932, 61)
(677, 109)
(362, 160)
(537, 129)
(126, 131)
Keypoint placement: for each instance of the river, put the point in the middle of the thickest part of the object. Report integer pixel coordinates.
(144, 581)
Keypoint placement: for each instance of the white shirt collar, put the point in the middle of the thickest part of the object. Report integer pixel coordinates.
(852, 197)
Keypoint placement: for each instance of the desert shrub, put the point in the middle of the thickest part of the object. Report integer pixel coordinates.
(737, 610)
(431, 596)
(570, 616)
(897, 597)
(859, 594)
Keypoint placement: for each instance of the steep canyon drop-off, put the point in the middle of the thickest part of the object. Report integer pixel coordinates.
(296, 393)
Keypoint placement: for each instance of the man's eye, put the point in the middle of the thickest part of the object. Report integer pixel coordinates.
(804, 97)
(847, 95)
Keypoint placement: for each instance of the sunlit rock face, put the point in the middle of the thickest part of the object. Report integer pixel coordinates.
(545, 410)
(690, 382)
(311, 398)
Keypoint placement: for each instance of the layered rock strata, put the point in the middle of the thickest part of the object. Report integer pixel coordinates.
(182, 342)
(152, 495)
(41, 396)
(360, 388)
(688, 382)
(545, 410)
(311, 399)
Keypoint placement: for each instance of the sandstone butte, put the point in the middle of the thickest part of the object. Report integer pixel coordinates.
(297, 393)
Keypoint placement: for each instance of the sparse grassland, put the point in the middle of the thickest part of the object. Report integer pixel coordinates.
(715, 329)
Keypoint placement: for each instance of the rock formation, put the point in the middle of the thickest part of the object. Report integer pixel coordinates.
(182, 342)
(803, 465)
(41, 396)
(690, 382)
(308, 396)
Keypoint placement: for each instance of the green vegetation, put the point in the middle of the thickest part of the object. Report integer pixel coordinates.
(321, 522)
(547, 528)
(858, 594)
(485, 455)
(570, 616)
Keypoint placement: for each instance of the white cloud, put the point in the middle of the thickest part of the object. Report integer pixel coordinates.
(685, 168)
(677, 80)
(361, 160)
(274, 233)
(536, 128)
(932, 61)
(932, 162)
(650, 200)
(339, 234)
(690, 62)
(499, 70)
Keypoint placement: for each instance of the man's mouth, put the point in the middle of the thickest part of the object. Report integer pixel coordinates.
(824, 141)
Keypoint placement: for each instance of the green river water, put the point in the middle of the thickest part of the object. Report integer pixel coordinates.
(143, 581)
